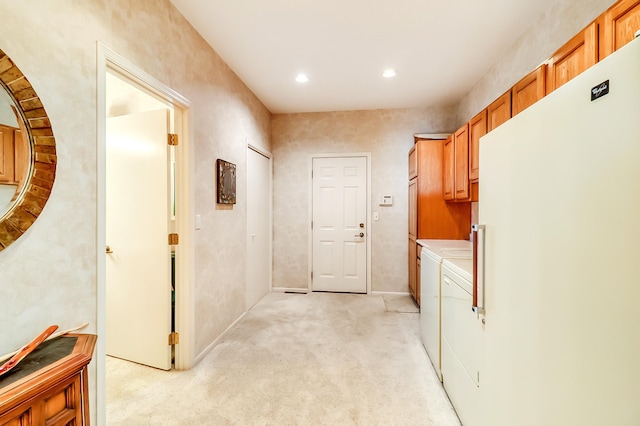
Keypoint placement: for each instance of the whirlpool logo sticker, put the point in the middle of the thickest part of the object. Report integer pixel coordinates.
(600, 90)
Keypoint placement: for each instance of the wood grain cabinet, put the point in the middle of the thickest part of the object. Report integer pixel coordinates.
(448, 174)
(7, 154)
(461, 160)
(14, 156)
(619, 24)
(499, 111)
(430, 216)
(477, 129)
(49, 387)
(578, 54)
(529, 90)
(455, 158)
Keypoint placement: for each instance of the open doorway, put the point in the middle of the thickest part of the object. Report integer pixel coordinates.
(140, 215)
(143, 160)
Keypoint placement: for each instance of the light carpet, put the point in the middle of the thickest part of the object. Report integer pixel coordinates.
(312, 359)
(401, 303)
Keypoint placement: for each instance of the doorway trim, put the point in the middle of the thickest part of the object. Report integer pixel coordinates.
(367, 155)
(109, 61)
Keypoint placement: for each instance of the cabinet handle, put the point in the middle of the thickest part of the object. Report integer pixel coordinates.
(478, 269)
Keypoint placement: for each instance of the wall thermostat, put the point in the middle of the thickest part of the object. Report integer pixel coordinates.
(386, 200)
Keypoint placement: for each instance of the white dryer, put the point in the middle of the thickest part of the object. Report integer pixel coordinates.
(431, 257)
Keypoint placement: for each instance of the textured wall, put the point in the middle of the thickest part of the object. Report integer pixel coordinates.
(388, 136)
(548, 33)
(49, 275)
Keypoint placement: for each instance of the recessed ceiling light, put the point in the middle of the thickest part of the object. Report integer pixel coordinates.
(302, 78)
(389, 73)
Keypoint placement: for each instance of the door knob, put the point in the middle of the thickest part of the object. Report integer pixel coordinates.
(108, 250)
(359, 235)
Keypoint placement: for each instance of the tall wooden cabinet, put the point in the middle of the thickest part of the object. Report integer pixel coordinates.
(430, 216)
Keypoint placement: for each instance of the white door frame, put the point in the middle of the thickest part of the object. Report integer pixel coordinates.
(367, 155)
(269, 157)
(108, 60)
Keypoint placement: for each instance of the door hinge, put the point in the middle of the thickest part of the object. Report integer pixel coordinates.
(172, 139)
(311, 274)
(174, 338)
(311, 224)
(173, 239)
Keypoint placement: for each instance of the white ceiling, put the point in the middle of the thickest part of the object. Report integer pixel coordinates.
(440, 48)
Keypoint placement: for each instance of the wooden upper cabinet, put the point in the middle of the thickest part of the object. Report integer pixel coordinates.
(529, 90)
(7, 154)
(620, 23)
(573, 58)
(499, 111)
(448, 168)
(477, 129)
(461, 161)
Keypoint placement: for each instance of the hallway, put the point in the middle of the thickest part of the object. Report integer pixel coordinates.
(294, 359)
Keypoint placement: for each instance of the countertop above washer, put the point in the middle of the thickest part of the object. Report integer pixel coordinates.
(445, 249)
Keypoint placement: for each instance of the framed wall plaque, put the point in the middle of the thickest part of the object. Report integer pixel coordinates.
(226, 182)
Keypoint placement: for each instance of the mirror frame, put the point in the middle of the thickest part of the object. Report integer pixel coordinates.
(42, 170)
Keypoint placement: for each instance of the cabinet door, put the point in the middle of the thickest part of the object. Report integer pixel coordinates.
(418, 275)
(574, 57)
(477, 129)
(413, 162)
(461, 163)
(413, 272)
(529, 90)
(7, 154)
(499, 111)
(448, 169)
(621, 22)
(413, 208)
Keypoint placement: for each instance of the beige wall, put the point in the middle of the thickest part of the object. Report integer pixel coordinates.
(388, 136)
(49, 275)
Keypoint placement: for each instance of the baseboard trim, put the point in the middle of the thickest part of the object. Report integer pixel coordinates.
(394, 293)
(290, 290)
(212, 345)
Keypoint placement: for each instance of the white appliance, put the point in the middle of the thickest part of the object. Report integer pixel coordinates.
(560, 203)
(431, 256)
(461, 340)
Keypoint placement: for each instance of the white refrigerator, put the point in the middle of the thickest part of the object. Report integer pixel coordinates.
(558, 280)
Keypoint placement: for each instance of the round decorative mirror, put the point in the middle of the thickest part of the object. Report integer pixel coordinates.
(27, 153)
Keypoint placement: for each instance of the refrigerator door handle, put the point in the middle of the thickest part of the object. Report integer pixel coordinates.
(478, 269)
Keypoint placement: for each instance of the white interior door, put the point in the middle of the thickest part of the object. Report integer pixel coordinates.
(138, 282)
(258, 226)
(339, 224)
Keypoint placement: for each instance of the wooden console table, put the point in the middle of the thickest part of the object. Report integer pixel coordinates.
(49, 387)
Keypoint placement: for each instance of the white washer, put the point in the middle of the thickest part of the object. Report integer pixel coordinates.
(431, 257)
(462, 340)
